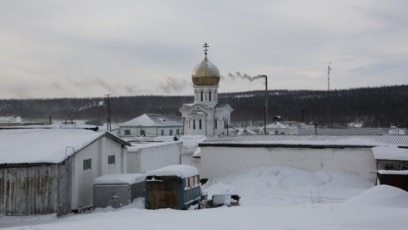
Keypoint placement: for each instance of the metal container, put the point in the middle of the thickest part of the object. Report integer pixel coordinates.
(117, 190)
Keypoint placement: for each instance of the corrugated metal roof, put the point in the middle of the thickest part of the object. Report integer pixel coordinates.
(348, 131)
(309, 140)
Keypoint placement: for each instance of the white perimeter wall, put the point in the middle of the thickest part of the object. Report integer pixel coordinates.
(153, 157)
(222, 161)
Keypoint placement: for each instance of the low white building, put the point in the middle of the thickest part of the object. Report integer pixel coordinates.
(151, 125)
(52, 170)
(221, 156)
(147, 156)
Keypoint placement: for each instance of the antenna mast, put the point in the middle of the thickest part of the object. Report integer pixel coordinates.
(328, 96)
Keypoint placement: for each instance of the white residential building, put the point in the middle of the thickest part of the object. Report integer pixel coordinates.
(151, 125)
(52, 170)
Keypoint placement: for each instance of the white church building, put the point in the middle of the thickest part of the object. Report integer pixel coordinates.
(205, 116)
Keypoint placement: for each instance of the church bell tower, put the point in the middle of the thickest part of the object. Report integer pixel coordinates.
(205, 116)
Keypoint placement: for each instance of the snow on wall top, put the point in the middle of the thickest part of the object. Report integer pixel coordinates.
(390, 153)
(136, 146)
(311, 140)
(42, 145)
(127, 178)
(182, 171)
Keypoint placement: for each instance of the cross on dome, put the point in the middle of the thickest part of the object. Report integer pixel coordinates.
(205, 46)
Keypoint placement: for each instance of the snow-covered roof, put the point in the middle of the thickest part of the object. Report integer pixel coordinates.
(148, 120)
(390, 153)
(393, 172)
(277, 125)
(10, 119)
(43, 145)
(310, 130)
(182, 171)
(127, 178)
(308, 141)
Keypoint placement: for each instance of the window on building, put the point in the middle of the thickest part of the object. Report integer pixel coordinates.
(194, 124)
(215, 124)
(162, 132)
(389, 167)
(199, 124)
(178, 131)
(142, 133)
(171, 132)
(209, 96)
(87, 164)
(111, 159)
(127, 132)
(202, 95)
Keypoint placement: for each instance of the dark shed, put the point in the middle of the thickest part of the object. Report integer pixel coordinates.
(174, 186)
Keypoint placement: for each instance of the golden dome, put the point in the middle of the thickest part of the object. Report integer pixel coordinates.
(206, 73)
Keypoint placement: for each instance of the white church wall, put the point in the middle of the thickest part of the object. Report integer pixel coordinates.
(153, 157)
(222, 161)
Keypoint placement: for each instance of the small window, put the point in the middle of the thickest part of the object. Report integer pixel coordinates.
(87, 164)
(199, 124)
(127, 132)
(142, 133)
(202, 95)
(215, 124)
(193, 124)
(389, 167)
(111, 159)
(178, 131)
(171, 132)
(209, 96)
(162, 132)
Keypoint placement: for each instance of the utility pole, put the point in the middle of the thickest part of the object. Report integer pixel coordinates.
(266, 102)
(108, 120)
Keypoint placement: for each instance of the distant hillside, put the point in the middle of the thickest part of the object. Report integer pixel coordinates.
(376, 107)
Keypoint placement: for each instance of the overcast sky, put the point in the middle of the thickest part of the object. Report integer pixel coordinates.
(90, 48)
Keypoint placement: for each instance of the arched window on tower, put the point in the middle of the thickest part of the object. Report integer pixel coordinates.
(199, 124)
(202, 95)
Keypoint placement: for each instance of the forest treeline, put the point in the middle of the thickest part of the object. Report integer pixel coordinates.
(374, 106)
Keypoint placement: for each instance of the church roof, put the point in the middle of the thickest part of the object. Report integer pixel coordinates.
(205, 72)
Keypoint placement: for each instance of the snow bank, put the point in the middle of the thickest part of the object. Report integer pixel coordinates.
(281, 186)
(272, 198)
(381, 195)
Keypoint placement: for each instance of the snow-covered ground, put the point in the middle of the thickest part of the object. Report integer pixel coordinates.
(271, 198)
